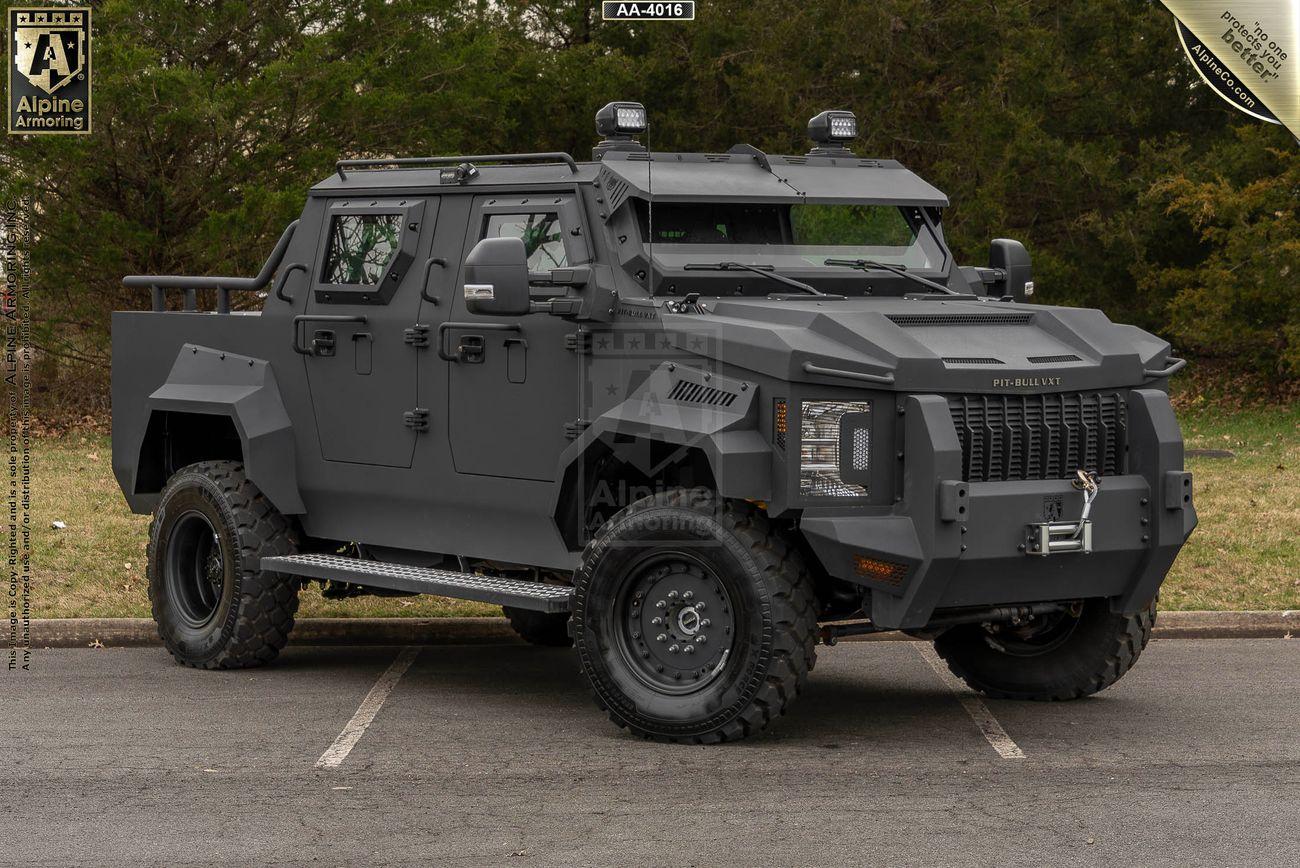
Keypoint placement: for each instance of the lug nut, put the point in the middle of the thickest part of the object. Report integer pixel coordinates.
(673, 648)
(660, 605)
(705, 622)
(700, 607)
(662, 637)
(701, 639)
(672, 595)
(688, 595)
(656, 620)
(690, 649)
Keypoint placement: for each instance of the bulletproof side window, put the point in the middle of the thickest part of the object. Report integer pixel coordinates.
(366, 248)
(360, 248)
(540, 231)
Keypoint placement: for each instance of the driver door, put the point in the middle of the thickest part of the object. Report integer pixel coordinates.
(512, 395)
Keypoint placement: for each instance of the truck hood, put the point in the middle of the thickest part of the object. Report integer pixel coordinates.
(932, 344)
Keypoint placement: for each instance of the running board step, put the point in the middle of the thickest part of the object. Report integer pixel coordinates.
(519, 593)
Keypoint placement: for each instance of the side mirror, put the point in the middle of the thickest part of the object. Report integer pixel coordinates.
(1012, 259)
(496, 277)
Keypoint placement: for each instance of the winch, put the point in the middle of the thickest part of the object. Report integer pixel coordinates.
(1058, 537)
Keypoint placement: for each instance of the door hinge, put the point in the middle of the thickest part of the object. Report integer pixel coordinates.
(417, 419)
(573, 430)
(417, 335)
(579, 342)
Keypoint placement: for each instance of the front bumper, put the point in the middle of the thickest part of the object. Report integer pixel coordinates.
(969, 544)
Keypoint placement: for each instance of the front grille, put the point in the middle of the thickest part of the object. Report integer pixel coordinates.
(1040, 436)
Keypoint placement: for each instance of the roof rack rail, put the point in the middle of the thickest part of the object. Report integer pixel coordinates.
(542, 157)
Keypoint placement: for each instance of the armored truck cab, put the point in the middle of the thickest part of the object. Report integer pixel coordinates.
(690, 413)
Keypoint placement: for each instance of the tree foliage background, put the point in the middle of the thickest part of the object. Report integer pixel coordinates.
(1079, 128)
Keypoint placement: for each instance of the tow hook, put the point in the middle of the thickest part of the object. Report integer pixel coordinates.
(1059, 537)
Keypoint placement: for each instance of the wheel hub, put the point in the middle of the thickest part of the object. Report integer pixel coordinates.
(195, 569)
(1037, 636)
(677, 624)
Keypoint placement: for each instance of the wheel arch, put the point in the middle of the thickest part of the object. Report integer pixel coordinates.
(627, 453)
(215, 405)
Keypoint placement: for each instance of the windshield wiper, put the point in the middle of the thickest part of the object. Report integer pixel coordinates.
(765, 271)
(871, 265)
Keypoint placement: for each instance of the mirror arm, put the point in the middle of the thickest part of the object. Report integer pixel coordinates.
(557, 306)
(579, 276)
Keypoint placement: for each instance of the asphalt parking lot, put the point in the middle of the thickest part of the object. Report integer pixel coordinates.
(495, 755)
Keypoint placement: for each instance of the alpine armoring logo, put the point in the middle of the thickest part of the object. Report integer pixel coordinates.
(49, 70)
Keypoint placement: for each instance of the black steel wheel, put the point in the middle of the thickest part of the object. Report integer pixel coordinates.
(693, 620)
(674, 622)
(214, 605)
(195, 570)
(1063, 655)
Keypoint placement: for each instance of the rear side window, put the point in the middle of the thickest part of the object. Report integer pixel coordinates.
(541, 234)
(360, 248)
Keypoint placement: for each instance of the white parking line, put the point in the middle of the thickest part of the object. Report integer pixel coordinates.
(975, 707)
(366, 711)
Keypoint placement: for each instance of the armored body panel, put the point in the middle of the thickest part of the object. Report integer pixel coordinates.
(476, 366)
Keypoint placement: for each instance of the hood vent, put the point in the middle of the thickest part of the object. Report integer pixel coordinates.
(971, 360)
(694, 393)
(1054, 360)
(922, 320)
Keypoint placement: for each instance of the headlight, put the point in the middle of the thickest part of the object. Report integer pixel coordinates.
(832, 431)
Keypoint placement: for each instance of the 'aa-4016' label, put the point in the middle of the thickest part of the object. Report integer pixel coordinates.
(612, 10)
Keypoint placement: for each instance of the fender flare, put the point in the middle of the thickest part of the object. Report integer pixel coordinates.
(692, 417)
(244, 389)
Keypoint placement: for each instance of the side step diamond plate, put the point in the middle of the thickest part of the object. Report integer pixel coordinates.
(425, 580)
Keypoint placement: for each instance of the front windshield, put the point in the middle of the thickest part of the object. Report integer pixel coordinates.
(788, 236)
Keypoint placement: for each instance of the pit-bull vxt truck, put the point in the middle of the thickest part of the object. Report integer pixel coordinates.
(690, 413)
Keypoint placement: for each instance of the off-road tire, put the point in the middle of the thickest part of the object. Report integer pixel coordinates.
(774, 645)
(254, 611)
(540, 628)
(1100, 649)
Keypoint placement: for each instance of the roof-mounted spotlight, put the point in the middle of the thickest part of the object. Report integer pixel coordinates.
(619, 123)
(832, 131)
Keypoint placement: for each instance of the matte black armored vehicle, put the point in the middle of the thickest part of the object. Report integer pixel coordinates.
(691, 413)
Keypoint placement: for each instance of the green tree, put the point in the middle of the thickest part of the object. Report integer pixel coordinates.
(1079, 128)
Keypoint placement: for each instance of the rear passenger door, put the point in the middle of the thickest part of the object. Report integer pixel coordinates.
(513, 393)
(364, 296)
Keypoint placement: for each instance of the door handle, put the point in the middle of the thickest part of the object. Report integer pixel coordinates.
(470, 350)
(316, 317)
(322, 342)
(476, 326)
